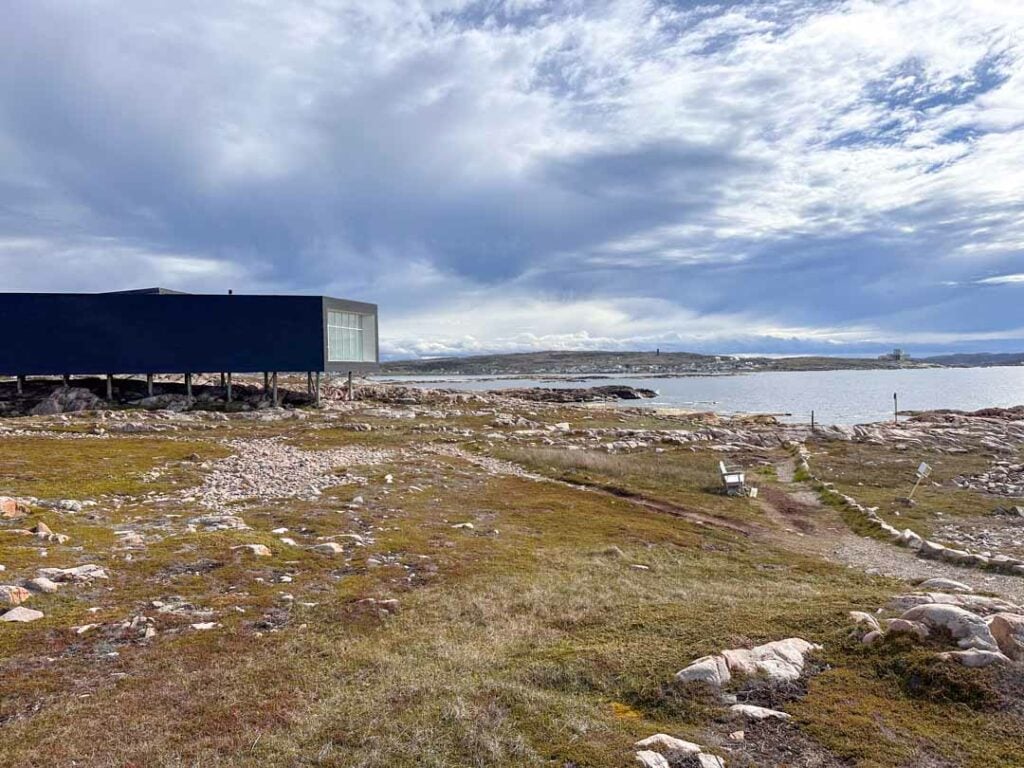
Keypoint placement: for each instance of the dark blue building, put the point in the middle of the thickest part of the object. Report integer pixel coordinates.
(156, 331)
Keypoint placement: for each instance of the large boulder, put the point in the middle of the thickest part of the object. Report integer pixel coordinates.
(968, 629)
(1008, 630)
(778, 660)
(712, 670)
(67, 400)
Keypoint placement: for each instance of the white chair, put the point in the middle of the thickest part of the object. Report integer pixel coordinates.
(734, 480)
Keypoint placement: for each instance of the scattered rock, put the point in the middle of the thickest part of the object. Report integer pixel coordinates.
(256, 550)
(79, 573)
(778, 660)
(945, 585)
(1008, 631)
(67, 400)
(705, 760)
(665, 744)
(649, 759)
(329, 548)
(42, 584)
(712, 670)
(11, 595)
(904, 627)
(872, 637)
(757, 713)
(863, 619)
(974, 657)
(12, 509)
(22, 615)
(968, 629)
(220, 523)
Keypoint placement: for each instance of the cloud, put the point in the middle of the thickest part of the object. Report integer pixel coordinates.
(621, 172)
(1002, 280)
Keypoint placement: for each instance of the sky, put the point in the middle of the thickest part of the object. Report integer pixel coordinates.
(779, 177)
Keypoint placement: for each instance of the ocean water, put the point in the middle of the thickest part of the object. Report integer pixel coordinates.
(836, 397)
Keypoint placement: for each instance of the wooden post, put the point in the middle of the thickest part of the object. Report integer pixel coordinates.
(266, 382)
(110, 386)
(67, 379)
(188, 388)
(317, 395)
(812, 421)
(223, 383)
(309, 382)
(21, 385)
(895, 409)
(274, 396)
(149, 384)
(229, 387)
(351, 390)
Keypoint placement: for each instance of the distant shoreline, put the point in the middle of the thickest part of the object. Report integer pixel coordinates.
(440, 377)
(657, 364)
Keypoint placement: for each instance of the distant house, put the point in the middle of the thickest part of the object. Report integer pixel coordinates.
(896, 356)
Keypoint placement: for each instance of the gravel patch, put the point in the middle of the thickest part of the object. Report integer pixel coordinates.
(269, 468)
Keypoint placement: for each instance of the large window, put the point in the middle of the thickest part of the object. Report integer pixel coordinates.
(351, 337)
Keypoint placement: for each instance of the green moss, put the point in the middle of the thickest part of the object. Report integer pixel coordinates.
(88, 468)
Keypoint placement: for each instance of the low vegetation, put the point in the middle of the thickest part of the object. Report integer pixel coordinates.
(538, 622)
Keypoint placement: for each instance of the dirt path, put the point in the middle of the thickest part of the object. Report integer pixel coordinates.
(806, 525)
(668, 508)
(498, 467)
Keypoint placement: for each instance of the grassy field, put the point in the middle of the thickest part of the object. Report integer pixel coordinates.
(528, 639)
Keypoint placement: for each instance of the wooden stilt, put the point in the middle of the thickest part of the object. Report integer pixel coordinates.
(110, 386)
(317, 391)
(229, 387)
(274, 394)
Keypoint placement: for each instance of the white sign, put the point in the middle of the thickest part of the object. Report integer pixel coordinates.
(924, 470)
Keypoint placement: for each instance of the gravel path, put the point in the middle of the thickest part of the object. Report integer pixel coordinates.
(833, 540)
(874, 556)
